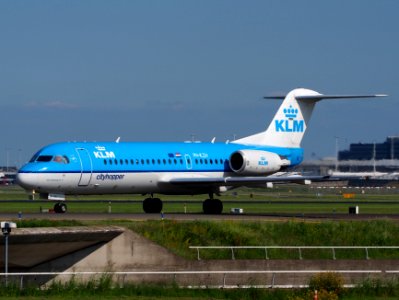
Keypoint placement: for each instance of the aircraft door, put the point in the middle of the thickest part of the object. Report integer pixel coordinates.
(86, 166)
(189, 165)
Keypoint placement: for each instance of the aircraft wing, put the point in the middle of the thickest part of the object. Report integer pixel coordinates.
(249, 180)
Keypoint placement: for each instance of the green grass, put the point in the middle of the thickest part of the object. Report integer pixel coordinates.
(48, 223)
(179, 235)
(103, 289)
(271, 201)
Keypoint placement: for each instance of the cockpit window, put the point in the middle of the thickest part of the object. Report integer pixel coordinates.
(44, 158)
(34, 157)
(62, 159)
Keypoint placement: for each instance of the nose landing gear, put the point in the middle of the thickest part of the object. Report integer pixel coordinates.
(60, 208)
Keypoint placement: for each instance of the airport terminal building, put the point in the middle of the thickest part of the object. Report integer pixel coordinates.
(361, 157)
(388, 150)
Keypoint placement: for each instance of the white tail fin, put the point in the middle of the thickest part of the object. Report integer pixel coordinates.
(291, 120)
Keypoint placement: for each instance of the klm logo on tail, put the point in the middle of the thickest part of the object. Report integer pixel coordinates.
(289, 124)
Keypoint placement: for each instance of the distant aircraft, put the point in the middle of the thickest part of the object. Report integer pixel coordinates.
(177, 168)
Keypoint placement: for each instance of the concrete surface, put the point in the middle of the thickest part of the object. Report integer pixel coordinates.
(29, 247)
(114, 249)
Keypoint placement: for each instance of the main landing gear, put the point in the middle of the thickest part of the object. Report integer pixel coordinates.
(209, 206)
(152, 205)
(212, 206)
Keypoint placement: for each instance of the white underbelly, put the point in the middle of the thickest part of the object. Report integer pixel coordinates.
(109, 183)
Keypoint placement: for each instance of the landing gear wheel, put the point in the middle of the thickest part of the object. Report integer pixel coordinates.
(212, 207)
(152, 205)
(60, 208)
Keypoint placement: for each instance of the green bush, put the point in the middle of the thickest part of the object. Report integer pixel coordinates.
(327, 284)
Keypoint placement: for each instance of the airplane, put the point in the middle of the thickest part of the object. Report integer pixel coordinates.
(177, 168)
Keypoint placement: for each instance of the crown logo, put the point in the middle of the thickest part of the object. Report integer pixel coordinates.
(290, 112)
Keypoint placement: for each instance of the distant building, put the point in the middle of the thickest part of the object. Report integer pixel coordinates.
(370, 151)
(7, 175)
(361, 157)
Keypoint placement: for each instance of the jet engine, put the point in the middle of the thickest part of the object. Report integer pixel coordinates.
(256, 162)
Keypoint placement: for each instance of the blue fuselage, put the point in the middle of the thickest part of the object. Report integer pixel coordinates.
(129, 167)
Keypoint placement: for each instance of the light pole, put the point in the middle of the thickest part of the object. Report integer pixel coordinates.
(374, 155)
(6, 229)
(19, 158)
(337, 151)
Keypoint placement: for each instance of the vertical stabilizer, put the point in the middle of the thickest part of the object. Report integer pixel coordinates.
(292, 118)
(289, 124)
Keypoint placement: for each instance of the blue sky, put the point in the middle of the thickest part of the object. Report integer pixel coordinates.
(166, 70)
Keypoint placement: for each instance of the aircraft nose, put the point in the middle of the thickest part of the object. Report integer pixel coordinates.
(24, 180)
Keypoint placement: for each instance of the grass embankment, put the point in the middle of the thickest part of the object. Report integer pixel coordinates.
(105, 289)
(178, 236)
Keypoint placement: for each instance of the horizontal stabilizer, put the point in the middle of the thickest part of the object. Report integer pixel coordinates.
(321, 97)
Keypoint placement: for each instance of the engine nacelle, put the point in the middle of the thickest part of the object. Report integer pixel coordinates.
(256, 162)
